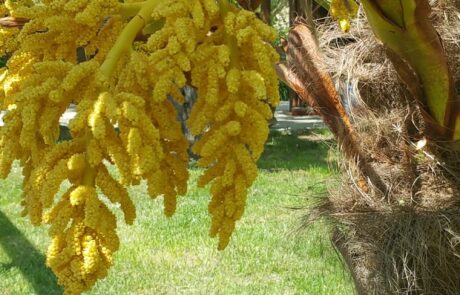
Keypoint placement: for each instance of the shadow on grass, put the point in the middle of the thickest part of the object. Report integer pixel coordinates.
(26, 259)
(294, 151)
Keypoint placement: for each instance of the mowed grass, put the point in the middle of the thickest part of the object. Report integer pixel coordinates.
(159, 255)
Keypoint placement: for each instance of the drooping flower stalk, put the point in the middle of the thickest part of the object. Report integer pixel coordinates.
(124, 90)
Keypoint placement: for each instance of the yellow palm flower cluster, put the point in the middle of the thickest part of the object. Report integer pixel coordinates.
(92, 54)
(236, 84)
(344, 11)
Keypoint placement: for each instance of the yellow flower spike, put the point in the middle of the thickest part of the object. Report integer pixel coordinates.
(97, 124)
(229, 172)
(211, 173)
(179, 78)
(125, 96)
(90, 255)
(227, 141)
(160, 183)
(233, 128)
(246, 162)
(224, 111)
(99, 218)
(48, 122)
(131, 113)
(210, 7)
(157, 41)
(94, 153)
(134, 141)
(77, 73)
(254, 140)
(210, 147)
(60, 213)
(164, 115)
(135, 100)
(163, 66)
(197, 14)
(61, 221)
(57, 243)
(241, 190)
(173, 46)
(151, 135)
(266, 33)
(148, 160)
(227, 228)
(240, 108)
(256, 82)
(93, 10)
(161, 89)
(216, 210)
(177, 160)
(78, 195)
(154, 184)
(119, 157)
(344, 11)
(264, 111)
(70, 247)
(54, 178)
(110, 106)
(116, 193)
(80, 121)
(8, 41)
(78, 258)
(202, 53)
(170, 203)
(223, 55)
(233, 80)
(229, 23)
(344, 25)
(245, 36)
(75, 266)
(229, 204)
(213, 86)
(183, 62)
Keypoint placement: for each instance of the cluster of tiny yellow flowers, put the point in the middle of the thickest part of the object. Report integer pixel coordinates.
(8, 40)
(237, 85)
(122, 65)
(344, 11)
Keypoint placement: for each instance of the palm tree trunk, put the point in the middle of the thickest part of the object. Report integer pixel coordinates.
(266, 11)
(417, 54)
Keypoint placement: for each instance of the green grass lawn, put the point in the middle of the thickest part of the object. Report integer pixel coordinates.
(267, 255)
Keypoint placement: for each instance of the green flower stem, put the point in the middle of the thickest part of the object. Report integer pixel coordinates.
(131, 9)
(127, 36)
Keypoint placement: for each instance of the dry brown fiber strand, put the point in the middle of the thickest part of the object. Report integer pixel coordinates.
(408, 241)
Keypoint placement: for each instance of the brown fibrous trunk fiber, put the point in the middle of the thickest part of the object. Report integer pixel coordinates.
(406, 241)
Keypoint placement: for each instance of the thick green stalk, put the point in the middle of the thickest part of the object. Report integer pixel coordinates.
(130, 9)
(121, 46)
(405, 29)
(127, 36)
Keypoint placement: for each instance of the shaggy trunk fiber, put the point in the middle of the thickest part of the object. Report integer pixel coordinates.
(306, 74)
(417, 54)
(405, 239)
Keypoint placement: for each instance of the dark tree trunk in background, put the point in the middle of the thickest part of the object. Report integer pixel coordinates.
(266, 11)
